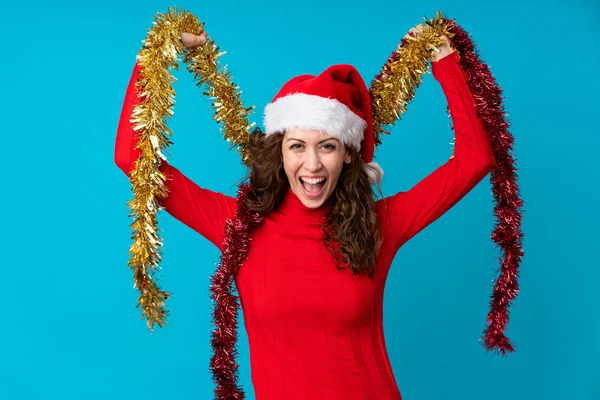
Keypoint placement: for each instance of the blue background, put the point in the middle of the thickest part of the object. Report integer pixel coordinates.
(69, 328)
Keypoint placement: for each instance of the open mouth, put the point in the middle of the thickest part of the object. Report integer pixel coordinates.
(313, 187)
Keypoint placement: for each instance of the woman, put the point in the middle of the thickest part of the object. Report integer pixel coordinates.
(312, 285)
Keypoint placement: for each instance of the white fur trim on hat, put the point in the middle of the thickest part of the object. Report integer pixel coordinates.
(374, 172)
(307, 111)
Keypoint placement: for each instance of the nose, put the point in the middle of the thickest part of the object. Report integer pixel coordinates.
(312, 161)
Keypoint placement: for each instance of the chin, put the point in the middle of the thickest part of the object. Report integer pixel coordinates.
(310, 203)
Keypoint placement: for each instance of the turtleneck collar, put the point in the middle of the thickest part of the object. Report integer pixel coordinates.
(292, 208)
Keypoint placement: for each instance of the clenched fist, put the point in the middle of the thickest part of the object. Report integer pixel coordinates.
(445, 50)
(190, 40)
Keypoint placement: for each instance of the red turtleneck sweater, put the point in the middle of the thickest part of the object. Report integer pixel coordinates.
(316, 332)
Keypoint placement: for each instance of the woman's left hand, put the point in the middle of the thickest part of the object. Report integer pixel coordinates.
(444, 50)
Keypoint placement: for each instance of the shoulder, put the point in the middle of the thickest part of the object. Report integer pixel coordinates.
(389, 206)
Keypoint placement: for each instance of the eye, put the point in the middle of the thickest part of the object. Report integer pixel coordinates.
(329, 146)
(296, 146)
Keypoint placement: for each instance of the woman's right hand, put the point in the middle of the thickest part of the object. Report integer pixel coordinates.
(190, 40)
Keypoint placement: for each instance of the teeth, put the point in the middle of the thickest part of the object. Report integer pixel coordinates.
(313, 181)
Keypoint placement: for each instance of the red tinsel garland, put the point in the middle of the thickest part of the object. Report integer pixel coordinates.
(507, 232)
(225, 313)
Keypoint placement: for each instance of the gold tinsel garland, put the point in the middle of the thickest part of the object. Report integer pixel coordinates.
(394, 87)
(391, 92)
(161, 51)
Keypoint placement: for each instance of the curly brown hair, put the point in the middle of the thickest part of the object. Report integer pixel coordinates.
(351, 229)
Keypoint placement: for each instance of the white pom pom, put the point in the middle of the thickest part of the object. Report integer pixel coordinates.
(374, 172)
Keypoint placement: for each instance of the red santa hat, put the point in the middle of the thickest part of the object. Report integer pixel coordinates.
(336, 102)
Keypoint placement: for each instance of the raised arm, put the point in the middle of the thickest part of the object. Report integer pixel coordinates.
(202, 210)
(411, 211)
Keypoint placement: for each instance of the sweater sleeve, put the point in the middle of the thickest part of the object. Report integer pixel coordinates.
(202, 210)
(411, 211)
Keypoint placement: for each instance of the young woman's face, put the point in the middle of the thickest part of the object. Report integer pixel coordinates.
(313, 163)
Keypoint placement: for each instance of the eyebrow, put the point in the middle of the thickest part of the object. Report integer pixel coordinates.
(322, 141)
